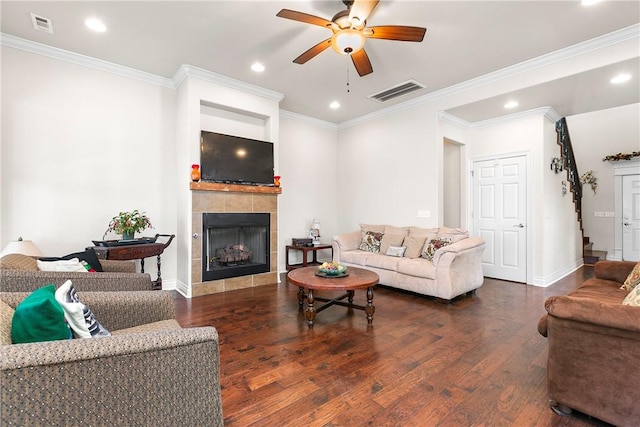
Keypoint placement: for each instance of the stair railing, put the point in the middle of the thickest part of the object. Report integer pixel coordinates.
(566, 150)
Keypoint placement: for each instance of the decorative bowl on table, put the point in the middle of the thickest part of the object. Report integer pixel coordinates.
(332, 268)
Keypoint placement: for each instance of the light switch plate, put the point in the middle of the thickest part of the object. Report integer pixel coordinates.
(424, 214)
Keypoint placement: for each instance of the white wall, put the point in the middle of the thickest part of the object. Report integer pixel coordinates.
(78, 146)
(310, 186)
(594, 136)
(388, 169)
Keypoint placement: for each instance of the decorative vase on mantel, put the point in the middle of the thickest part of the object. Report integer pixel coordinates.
(128, 235)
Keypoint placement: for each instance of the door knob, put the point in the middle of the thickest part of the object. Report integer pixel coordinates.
(627, 223)
(521, 225)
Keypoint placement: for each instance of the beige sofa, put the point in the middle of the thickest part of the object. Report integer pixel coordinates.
(445, 272)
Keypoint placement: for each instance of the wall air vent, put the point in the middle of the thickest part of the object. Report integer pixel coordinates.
(397, 90)
(42, 24)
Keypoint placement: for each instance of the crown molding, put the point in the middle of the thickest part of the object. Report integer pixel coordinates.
(310, 120)
(615, 37)
(546, 112)
(86, 61)
(199, 73)
(454, 120)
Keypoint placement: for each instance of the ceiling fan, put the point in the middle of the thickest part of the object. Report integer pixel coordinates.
(350, 31)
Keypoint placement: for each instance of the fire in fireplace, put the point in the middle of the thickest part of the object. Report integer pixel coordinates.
(234, 244)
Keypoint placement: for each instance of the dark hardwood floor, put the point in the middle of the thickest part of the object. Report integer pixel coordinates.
(478, 361)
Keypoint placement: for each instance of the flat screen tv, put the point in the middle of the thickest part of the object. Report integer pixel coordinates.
(233, 159)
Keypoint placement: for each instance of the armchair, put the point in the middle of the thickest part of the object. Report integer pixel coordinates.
(149, 372)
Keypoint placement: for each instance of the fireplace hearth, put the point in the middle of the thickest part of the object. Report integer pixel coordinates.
(235, 244)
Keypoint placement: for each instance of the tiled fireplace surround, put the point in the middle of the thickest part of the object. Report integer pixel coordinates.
(229, 198)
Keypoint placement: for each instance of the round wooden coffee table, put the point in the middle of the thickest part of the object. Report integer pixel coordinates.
(357, 278)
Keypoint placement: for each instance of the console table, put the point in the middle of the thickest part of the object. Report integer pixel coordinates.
(136, 251)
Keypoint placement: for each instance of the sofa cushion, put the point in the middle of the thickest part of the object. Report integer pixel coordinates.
(80, 318)
(18, 262)
(418, 267)
(397, 251)
(371, 241)
(389, 240)
(454, 234)
(431, 246)
(6, 314)
(371, 227)
(356, 257)
(161, 325)
(39, 317)
(67, 265)
(633, 279)
(433, 232)
(414, 244)
(382, 261)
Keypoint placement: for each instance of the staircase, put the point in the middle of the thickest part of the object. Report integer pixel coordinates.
(564, 141)
(589, 255)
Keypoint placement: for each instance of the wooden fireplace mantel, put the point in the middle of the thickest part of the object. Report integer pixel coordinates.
(234, 188)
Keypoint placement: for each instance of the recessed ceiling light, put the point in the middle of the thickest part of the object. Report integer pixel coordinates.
(621, 78)
(589, 2)
(257, 67)
(96, 25)
(334, 105)
(511, 104)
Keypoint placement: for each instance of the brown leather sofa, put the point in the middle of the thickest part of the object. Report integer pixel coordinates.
(594, 348)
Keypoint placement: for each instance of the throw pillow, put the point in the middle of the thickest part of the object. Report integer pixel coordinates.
(62, 265)
(39, 317)
(371, 241)
(633, 279)
(433, 245)
(389, 240)
(89, 256)
(414, 244)
(6, 314)
(396, 251)
(633, 297)
(18, 262)
(82, 321)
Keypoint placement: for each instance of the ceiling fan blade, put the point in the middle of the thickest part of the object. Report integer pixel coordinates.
(396, 32)
(304, 17)
(362, 63)
(315, 50)
(362, 9)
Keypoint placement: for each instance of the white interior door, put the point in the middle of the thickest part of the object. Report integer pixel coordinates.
(499, 216)
(631, 217)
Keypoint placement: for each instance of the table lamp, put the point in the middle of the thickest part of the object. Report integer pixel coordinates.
(314, 231)
(24, 247)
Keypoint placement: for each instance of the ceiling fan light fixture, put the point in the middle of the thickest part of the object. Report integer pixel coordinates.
(347, 42)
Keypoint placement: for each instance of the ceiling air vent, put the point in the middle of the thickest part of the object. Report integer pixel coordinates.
(397, 90)
(42, 24)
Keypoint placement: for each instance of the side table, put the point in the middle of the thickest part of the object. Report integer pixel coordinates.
(305, 250)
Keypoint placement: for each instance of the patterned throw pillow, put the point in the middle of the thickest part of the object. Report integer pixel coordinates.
(633, 279)
(82, 321)
(371, 241)
(633, 297)
(434, 244)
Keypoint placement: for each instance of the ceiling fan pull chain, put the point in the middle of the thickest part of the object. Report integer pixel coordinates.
(348, 90)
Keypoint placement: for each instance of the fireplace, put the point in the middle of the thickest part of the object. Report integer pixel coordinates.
(235, 244)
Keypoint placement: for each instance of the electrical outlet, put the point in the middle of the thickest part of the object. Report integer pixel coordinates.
(424, 214)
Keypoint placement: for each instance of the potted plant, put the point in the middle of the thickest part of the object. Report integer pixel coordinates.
(129, 223)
